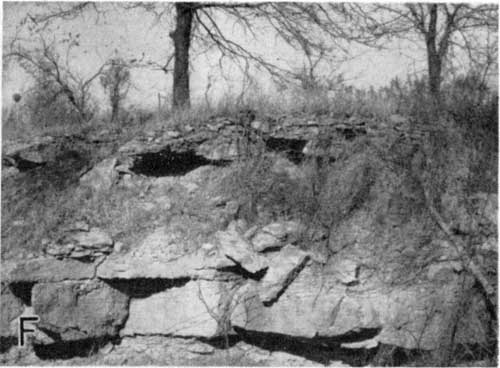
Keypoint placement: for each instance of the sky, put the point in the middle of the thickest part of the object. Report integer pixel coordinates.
(137, 34)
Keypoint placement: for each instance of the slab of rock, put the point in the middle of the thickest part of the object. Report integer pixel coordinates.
(283, 166)
(262, 241)
(79, 310)
(34, 151)
(189, 310)
(236, 248)
(11, 308)
(162, 254)
(302, 310)
(85, 245)
(315, 304)
(283, 268)
(345, 270)
(409, 316)
(276, 358)
(127, 266)
(77, 226)
(46, 270)
(101, 177)
(9, 171)
(95, 238)
(274, 235)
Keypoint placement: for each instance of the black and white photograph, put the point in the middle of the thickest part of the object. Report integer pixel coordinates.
(231, 183)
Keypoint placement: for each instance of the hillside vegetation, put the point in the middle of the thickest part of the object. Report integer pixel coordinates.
(358, 228)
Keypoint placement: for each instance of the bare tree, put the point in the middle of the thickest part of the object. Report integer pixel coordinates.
(302, 26)
(115, 79)
(441, 26)
(43, 62)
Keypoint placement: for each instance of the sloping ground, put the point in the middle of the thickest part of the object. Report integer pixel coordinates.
(295, 242)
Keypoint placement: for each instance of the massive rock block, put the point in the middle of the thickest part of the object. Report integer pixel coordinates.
(189, 310)
(46, 270)
(302, 310)
(11, 307)
(316, 304)
(79, 310)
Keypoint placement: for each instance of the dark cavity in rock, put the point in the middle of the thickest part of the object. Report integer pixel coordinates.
(22, 290)
(72, 349)
(291, 147)
(318, 349)
(170, 163)
(6, 343)
(143, 288)
(237, 269)
(351, 133)
(20, 163)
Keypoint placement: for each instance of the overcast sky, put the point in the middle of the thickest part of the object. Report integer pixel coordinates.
(136, 34)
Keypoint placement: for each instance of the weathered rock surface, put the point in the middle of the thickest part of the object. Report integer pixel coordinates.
(95, 238)
(126, 266)
(236, 248)
(275, 234)
(161, 350)
(189, 310)
(38, 150)
(283, 268)
(345, 270)
(302, 311)
(101, 177)
(9, 171)
(85, 244)
(163, 254)
(79, 310)
(306, 309)
(377, 269)
(46, 270)
(11, 307)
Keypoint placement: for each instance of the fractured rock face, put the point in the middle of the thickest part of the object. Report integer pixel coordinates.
(317, 305)
(11, 308)
(47, 270)
(345, 270)
(283, 268)
(79, 310)
(275, 235)
(235, 247)
(81, 244)
(95, 238)
(189, 310)
(302, 310)
(37, 151)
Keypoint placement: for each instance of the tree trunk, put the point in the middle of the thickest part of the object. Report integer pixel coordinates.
(115, 102)
(182, 39)
(434, 59)
(434, 65)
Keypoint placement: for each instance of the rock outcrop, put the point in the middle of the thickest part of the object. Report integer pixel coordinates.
(362, 265)
(79, 310)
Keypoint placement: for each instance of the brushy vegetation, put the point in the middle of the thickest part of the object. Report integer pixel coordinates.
(36, 204)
